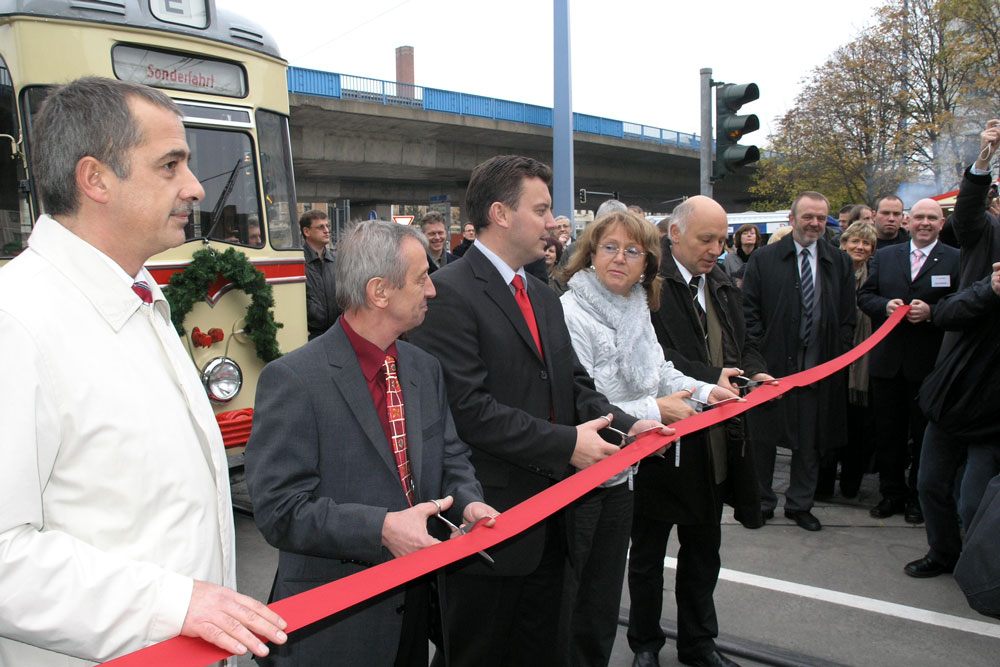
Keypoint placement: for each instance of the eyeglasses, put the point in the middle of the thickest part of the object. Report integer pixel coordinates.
(631, 253)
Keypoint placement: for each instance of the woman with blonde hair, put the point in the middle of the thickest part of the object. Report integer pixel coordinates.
(613, 280)
(858, 241)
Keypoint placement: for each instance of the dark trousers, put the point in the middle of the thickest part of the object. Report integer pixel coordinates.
(897, 419)
(857, 456)
(599, 527)
(501, 621)
(698, 566)
(804, 470)
(941, 458)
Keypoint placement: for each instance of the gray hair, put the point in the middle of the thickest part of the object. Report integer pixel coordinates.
(679, 218)
(610, 206)
(89, 117)
(371, 250)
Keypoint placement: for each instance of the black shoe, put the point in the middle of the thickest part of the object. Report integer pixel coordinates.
(886, 508)
(713, 659)
(646, 659)
(926, 567)
(767, 515)
(913, 513)
(804, 518)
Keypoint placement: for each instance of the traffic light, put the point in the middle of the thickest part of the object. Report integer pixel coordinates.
(729, 128)
(583, 196)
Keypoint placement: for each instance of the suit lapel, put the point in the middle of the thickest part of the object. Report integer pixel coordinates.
(346, 375)
(412, 409)
(499, 293)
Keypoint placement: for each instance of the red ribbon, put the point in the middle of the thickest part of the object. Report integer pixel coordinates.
(318, 603)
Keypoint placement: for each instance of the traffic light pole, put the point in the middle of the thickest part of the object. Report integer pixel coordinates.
(706, 131)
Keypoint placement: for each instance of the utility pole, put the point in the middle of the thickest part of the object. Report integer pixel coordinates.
(706, 131)
(562, 113)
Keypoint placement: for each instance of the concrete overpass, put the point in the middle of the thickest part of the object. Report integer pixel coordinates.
(351, 145)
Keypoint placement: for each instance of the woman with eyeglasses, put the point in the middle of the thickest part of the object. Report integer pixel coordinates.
(613, 280)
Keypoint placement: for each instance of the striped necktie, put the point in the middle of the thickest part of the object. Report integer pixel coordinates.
(808, 297)
(702, 315)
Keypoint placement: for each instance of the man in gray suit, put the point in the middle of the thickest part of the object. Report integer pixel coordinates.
(354, 449)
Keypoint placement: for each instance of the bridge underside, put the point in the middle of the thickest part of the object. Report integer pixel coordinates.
(374, 154)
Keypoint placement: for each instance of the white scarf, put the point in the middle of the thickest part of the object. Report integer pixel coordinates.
(635, 346)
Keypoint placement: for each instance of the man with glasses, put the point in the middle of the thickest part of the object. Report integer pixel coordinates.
(321, 273)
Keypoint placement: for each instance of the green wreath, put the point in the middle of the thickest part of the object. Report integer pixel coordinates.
(191, 285)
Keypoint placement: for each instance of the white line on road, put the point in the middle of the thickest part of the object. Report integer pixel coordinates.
(856, 601)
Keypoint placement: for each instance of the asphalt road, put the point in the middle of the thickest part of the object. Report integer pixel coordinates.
(790, 597)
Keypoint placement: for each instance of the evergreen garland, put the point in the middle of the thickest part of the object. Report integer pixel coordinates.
(191, 285)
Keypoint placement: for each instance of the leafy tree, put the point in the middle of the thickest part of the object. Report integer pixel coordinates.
(844, 135)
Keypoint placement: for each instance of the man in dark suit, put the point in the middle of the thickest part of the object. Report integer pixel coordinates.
(517, 392)
(700, 327)
(353, 450)
(919, 273)
(800, 309)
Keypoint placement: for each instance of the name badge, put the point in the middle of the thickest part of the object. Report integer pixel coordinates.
(940, 281)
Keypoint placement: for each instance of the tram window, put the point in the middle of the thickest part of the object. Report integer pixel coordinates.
(276, 174)
(223, 162)
(15, 219)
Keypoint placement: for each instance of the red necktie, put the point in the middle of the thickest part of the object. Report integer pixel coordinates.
(521, 296)
(397, 428)
(141, 288)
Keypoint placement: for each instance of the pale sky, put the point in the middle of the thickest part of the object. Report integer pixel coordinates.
(632, 60)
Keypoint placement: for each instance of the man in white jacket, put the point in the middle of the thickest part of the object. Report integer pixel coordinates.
(116, 526)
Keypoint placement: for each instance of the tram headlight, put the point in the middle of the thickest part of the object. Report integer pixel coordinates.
(223, 379)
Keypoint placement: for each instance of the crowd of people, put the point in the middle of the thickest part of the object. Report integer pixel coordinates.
(424, 405)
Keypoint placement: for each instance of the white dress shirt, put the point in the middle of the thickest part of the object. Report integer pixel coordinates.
(114, 486)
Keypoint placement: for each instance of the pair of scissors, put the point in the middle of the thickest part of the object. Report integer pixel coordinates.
(461, 530)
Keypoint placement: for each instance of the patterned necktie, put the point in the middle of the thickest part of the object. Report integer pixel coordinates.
(916, 262)
(397, 428)
(808, 297)
(702, 316)
(521, 296)
(141, 288)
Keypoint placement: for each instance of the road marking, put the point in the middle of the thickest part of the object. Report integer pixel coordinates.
(856, 601)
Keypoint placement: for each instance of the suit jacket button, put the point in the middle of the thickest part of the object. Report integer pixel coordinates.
(544, 375)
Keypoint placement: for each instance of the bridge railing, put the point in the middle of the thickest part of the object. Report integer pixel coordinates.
(349, 87)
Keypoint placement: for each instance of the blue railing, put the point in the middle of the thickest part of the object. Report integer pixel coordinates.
(346, 86)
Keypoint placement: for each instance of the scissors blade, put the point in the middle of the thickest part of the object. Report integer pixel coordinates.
(464, 531)
(629, 439)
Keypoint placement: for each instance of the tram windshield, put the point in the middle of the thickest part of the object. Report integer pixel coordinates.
(223, 162)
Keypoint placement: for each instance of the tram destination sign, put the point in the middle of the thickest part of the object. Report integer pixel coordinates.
(178, 71)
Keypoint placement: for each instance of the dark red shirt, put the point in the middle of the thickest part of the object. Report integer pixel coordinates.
(372, 362)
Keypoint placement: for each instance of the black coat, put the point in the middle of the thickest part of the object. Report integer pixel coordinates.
(686, 494)
(772, 309)
(909, 349)
(516, 411)
(961, 393)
